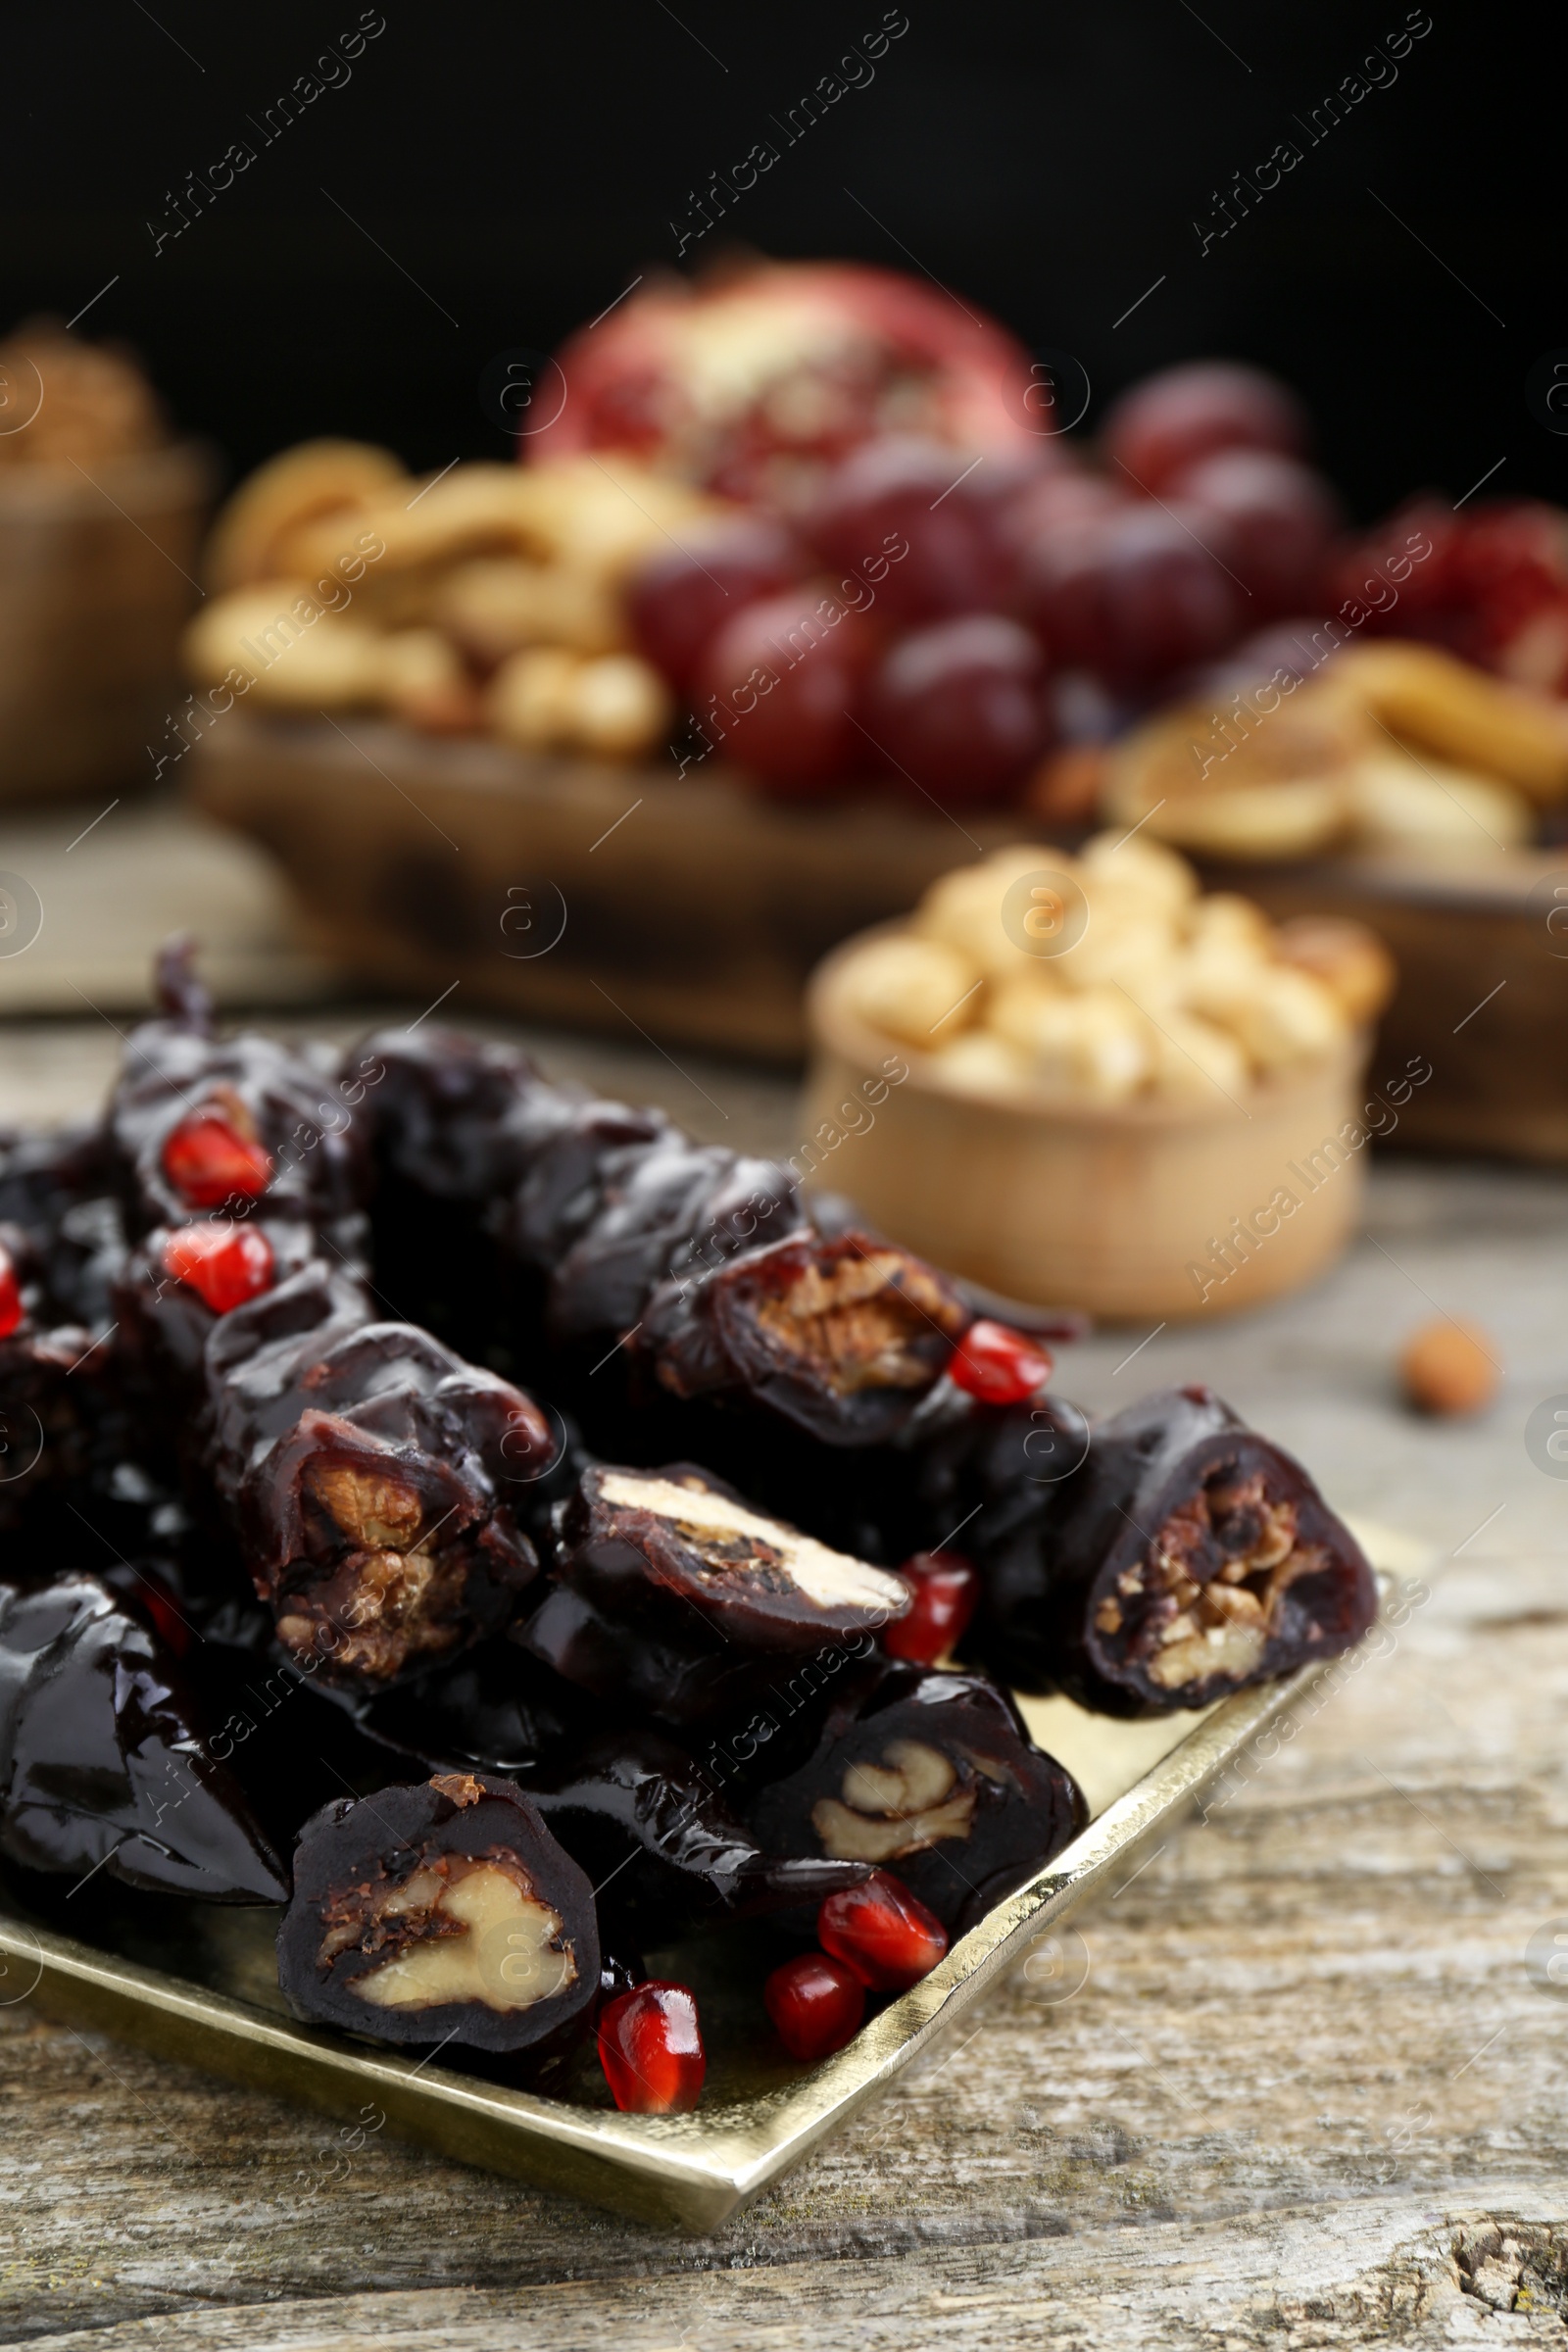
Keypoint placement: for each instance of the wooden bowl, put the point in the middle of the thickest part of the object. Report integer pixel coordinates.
(1147, 1210)
(698, 910)
(96, 580)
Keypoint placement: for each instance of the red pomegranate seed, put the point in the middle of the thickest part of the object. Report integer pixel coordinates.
(879, 1929)
(225, 1264)
(999, 1365)
(944, 1589)
(651, 2048)
(816, 2005)
(12, 1309)
(208, 1161)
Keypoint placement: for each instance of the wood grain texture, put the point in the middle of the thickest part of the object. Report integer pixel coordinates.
(1307, 2094)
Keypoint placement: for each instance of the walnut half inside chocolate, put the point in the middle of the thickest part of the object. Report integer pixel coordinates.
(1186, 1557)
(1209, 1595)
(842, 1336)
(930, 1774)
(441, 1910)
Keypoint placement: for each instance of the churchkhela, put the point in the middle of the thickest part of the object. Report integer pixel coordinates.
(697, 1623)
(932, 1776)
(103, 1762)
(675, 1598)
(442, 1912)
(1185, 1558)
(365, 1468)
(196, 1123)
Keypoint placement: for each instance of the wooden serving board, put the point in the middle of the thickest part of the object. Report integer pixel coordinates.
(694, 909)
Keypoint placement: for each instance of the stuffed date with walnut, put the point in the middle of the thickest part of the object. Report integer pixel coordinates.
(441, 1911)
(673, 1595)
(1185, 1558)
(931, 1776)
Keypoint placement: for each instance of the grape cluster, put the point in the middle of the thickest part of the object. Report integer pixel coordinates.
(928, 617)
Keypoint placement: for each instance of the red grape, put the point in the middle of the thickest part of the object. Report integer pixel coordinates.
(679, 601)
(960, 706)
(915, 494)
(1132, 595)
(778, 684)
(1061, 501)
(1277, 523)
(1171, 419)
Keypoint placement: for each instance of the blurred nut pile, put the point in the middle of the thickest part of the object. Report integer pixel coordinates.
(64, 402)
(1154, 994)
(484, 600)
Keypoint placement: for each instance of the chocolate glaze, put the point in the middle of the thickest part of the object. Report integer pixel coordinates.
(103, 1762)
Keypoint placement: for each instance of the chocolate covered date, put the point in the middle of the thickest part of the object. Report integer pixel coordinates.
(495, 1707)
(197, 1123)
(103, 1765)
(442, 1911)
(1186, 1558)
(676, 1547)
(841, 1338)
(661, 1845)
(674, 1599)
(52, 1376)
(931, 1776)
(702, 1260)
(366, 1469)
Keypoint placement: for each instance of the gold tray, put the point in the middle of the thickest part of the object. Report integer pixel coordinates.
(219, 2007)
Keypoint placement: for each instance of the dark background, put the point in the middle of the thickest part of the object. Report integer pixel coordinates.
(522, 165)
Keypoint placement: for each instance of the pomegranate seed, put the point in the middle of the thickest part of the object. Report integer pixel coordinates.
(816, 2005)
(651, 2048)
(12, 1310)
(879, 1929)
(999, 1365)
(208, 1161)
(225, 1264)
(945, 1590)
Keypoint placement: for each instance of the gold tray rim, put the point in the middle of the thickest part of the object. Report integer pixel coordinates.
(693, 2172)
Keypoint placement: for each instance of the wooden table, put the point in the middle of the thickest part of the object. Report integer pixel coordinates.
(1307, 2095)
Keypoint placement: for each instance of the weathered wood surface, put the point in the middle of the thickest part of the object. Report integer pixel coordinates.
(1307, 2095)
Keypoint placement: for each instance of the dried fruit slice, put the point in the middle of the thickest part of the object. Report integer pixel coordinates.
(1273, 786)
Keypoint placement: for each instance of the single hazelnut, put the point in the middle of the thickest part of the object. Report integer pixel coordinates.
(1449, 1369)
